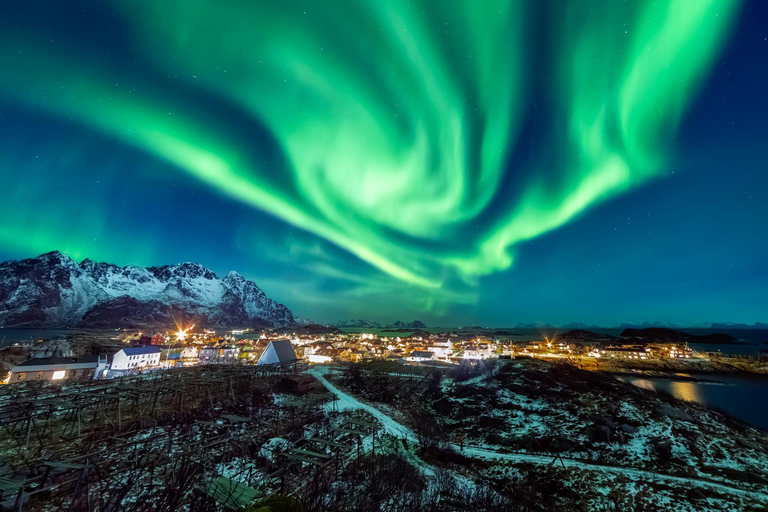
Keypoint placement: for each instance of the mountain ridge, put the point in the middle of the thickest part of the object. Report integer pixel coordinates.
(53, 290)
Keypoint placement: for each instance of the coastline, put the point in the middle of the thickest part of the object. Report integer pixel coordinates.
(731, 364)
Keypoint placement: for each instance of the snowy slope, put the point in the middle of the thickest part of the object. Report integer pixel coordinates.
(53, 290)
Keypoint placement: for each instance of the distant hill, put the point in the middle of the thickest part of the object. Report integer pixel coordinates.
(534, 326)
(409, 332)
(642, 336)
(583, 336)
(356, 324)
(731, 325)
(579, 326)
(416, 324)
(665, 335)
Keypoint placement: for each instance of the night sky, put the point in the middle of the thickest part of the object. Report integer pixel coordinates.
(457, 162)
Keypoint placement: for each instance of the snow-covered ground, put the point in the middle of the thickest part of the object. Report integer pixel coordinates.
(347, 402)
(531, 417)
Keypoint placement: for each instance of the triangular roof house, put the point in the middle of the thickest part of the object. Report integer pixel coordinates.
(277, 352)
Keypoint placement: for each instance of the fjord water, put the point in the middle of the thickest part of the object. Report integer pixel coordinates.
(738, 395)
(11, 335)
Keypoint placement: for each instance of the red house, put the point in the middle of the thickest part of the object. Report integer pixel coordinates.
(158, 339)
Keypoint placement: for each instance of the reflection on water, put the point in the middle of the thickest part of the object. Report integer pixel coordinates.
(687, 391)
(642, 383)
(739, 396)
(683, 390)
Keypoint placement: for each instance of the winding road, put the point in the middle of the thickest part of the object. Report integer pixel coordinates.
(391, 426)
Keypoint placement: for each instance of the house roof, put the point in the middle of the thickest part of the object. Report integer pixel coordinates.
(278, 351)
(422, 353)
(284, 350)
(56, 363)
(137, 351)
(59, 360)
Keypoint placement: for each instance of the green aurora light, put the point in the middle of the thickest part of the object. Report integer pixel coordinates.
(396, 120)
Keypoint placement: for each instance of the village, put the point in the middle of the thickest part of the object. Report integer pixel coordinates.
(135, 351)
(211, 421)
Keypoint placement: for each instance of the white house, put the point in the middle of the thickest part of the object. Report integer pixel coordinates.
(625, 352)
(319, 358)
(480, 351)
(320, 353)
(443, 349)
(188, 353)
(57, 368)
(278, 352)
(227, 354)
(421, 356)
(136, 358)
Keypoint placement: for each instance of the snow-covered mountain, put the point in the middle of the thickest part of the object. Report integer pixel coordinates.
(53, 290)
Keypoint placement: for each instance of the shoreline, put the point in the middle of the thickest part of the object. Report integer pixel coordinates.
(672, 369)
(651, 374)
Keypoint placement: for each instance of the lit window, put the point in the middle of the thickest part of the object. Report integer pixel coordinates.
(58, 375)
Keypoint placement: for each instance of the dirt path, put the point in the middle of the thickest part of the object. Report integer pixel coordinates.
(397, 429)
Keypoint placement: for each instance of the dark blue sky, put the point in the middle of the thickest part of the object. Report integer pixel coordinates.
(686, 244)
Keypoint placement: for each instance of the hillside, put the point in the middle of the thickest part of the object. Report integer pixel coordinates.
(613, 446)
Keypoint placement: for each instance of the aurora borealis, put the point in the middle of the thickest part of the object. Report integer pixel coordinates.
(393, 159)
